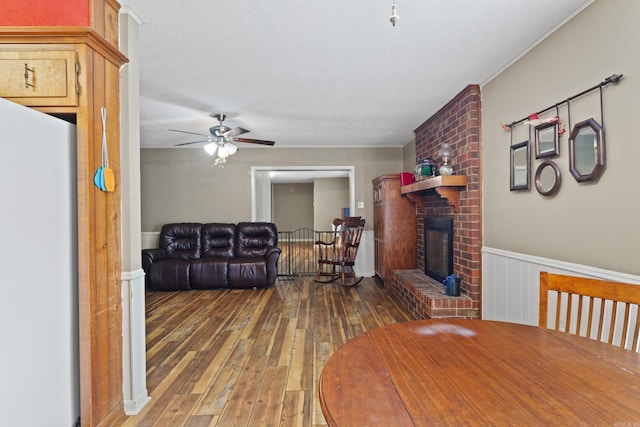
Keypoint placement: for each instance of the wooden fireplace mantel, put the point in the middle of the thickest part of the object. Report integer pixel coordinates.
(447, 186)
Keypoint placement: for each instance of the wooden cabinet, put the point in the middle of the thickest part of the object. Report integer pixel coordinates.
(39, 75)
(394, 228)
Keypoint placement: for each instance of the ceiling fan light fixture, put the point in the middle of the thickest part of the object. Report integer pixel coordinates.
(210, 148)
(223, 150)
(221, 138)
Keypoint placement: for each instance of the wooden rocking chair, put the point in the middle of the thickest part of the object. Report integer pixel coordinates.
(337, 258)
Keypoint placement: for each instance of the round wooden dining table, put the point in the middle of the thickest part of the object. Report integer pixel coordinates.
(476, 372)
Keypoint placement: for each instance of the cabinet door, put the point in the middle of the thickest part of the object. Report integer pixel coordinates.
(39, 78)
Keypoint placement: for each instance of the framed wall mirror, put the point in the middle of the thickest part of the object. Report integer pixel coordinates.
(520, 164)
(546, 136)
(547, 178)
(586, 151)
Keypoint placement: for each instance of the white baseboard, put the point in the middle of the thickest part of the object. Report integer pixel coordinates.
(133, 407)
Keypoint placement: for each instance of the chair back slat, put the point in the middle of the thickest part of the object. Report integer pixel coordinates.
(614, 310)
(568, 313)
(625, 323)
(350, 235)
(600, 322)
(579, 320)
(590, 321)
(611, 308)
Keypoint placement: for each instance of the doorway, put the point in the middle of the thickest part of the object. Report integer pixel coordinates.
(322, 186)
(262, 178)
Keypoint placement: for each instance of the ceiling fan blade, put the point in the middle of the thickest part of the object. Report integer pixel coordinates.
(191, 133)
(235, 132)
(255, 141)
(194, 142)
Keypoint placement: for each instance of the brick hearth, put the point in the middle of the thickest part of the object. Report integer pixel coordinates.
(425, 299)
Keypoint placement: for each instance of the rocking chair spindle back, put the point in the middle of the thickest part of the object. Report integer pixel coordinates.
(337, 258)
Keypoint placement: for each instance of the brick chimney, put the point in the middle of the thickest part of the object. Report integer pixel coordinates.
(458, 123)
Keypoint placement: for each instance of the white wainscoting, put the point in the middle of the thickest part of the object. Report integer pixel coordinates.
(365, 265)
(150, 239)
(134, 368)
(365, 261)
(510, 283)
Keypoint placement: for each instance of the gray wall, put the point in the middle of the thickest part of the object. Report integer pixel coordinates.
(330, 196)
(593, 224)
(409, 156)
(181, 184)
(293, 206)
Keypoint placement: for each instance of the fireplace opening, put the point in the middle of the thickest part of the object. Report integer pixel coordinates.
(438, 247)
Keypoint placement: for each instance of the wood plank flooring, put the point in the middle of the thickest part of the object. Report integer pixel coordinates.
(251, 357)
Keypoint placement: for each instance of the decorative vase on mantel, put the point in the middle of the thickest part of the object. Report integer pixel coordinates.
(446, 153)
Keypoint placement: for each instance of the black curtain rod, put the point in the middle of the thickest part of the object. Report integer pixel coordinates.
(614, 78)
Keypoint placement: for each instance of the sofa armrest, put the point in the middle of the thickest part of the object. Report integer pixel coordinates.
(273, 250)
(272, 254)
(151, 255)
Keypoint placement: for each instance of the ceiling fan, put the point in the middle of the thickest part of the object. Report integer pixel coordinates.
(221, 139)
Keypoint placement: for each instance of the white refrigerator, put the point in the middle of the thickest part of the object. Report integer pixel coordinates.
(39, 362)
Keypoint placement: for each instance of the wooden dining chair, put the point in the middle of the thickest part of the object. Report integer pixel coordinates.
(597, 309)
(337, 257)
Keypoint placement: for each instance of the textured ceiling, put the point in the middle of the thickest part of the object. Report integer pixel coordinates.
(323, 73)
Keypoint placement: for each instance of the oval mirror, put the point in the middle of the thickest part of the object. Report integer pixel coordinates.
(586, 150)
(548, 178)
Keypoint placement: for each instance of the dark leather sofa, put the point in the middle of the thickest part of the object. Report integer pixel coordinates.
(213, 255)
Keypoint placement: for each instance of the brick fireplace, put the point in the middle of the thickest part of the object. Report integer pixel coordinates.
(458, 123)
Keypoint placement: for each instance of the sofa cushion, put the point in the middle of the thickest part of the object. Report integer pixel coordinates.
(169, 275)
(218, 240)
(209, 272)
(255, 238)
(248, 272)
(181, 240)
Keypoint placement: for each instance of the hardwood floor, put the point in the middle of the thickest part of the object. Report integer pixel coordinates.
(251, 357)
